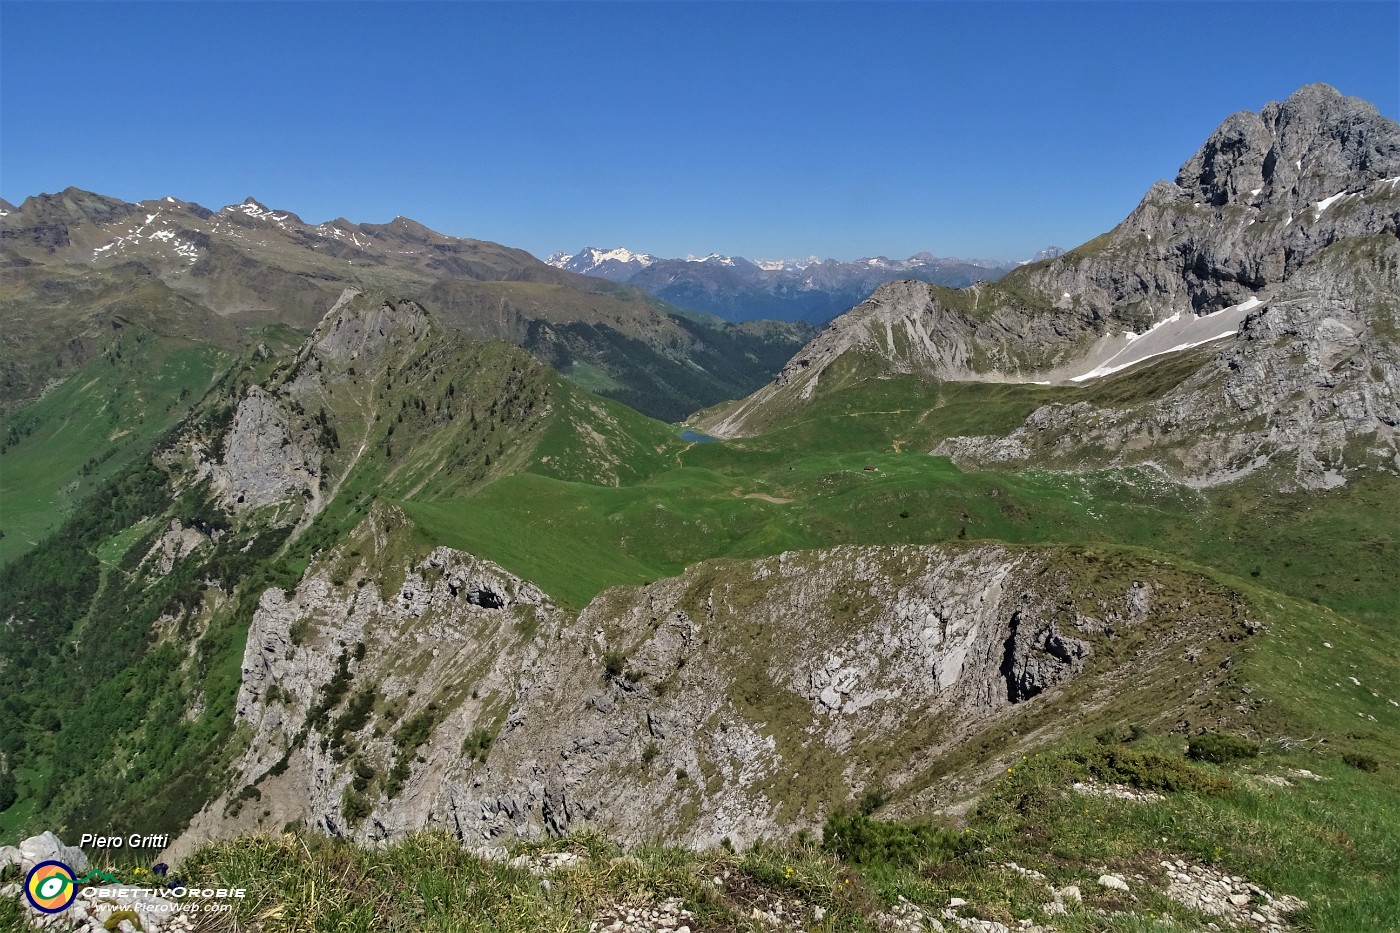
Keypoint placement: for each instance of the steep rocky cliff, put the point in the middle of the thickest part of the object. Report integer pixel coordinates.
(739, 700)
(361, 685)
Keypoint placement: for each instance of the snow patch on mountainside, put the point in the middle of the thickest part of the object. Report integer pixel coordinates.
(712, 257)
(164, 235)
(1328, 202)
(1178, 332)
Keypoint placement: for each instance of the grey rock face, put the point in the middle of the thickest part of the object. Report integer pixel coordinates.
(368, 329)
(449, 644)
(177, 542)
(273, 453)
(1310, 381)
(1245, 213)
(1307, 148)
(903, 328)
(739, 679)
(264, 462)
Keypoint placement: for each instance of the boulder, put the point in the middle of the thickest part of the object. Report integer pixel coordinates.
(9, 855)
(49, 848)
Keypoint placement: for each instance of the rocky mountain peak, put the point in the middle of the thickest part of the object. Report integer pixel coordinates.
(361, 324)
(73, 206)
(404, 229)
(1311, 146)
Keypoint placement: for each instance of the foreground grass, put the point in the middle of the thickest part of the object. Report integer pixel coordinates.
(1333, 841)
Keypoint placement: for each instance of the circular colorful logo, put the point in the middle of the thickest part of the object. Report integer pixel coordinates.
(50, 887)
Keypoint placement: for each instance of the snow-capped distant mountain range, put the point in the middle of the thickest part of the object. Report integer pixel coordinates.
(739, 289)
(615, 265)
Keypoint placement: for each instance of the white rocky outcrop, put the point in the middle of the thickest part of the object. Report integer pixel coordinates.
(1232, 898)
(265, 460)
(177, 542)
(47, 847)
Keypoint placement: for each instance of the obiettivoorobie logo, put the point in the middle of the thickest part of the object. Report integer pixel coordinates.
(50, 887)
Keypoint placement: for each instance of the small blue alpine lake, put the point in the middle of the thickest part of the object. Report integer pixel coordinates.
(696, 437)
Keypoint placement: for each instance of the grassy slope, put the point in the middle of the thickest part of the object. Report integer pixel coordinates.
(582, 538)
(67, 444)
(693, 512)
(109, 690)
(687, 502)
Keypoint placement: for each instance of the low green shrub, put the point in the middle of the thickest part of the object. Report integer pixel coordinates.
(1220, 748)
(398, 776)
(354, 806)
(1146, 770)
(873, 799)
(857, 839)
(477, 745)
(365, 774)
(9, 790)
(1112, 735)
(1362, 762)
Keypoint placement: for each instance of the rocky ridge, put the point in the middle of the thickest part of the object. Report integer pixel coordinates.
(290, 442)
(458, 696)
(1310, 382)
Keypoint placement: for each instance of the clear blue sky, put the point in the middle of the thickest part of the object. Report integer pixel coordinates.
(764, 130)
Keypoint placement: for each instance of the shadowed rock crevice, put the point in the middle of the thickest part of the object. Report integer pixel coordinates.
(1036, 658)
